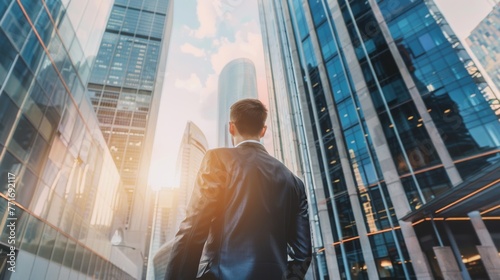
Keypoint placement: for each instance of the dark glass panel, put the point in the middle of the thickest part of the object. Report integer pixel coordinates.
(8, 113)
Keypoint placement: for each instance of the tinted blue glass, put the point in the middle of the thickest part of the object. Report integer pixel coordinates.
(3, 7)
(7, 58)
(23, 138)
(44, 27)
(8, 113)
(9, 164)
(26, 187)
(347, 113)
(32, 8)
(456, 106)
(299, 17)
(32, 52)
(309, 53)
(19, 82)
(15, 25)
(325, 39)
(317, 11)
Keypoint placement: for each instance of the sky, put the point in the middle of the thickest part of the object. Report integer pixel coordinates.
(206, 35)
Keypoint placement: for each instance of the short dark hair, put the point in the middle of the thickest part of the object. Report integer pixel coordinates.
(249, 116)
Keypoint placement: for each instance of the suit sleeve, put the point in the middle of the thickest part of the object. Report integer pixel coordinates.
(193, 232)
(299, 243)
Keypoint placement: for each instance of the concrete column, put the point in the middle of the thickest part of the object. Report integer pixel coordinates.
(481, 231)
(491, 261)
(447, 263)
(487, 249)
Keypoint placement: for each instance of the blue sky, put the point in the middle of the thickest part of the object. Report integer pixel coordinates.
(208, 34)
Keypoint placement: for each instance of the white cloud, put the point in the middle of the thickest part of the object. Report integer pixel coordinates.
(207, 16)
(192, 50)
(192, 84)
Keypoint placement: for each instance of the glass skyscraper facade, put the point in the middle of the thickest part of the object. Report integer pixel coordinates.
(484, 43)
(172, 211)
(60, 190)
(395, 135)
(237, 80)
(125, 88)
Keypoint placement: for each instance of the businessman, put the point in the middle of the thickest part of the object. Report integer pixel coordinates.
(246, 214)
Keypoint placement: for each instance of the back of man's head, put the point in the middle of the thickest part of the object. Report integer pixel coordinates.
(249, 116)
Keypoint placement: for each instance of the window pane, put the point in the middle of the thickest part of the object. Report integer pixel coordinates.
(47, 242)
(8, 112)
(24, 136)
(32, 235)
(7, 58)
(19, 82)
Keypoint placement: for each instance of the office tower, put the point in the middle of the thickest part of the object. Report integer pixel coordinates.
(125, 88)
(484, 43)
(193, 147)
(398, 144)
(67, 188)
(164, 223)
(237, 80)
(192, 150)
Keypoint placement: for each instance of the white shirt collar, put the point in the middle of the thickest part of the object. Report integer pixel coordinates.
(248, 141)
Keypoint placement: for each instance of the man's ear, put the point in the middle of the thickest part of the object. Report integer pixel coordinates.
(263, 131)
(232, 128)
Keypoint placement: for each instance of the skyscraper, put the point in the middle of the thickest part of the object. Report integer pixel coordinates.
(397, 142)
(60, 190)
(164, 223)
(125, 88)
(485, 45)
(192, 150)
(193, 147)
(237, 80)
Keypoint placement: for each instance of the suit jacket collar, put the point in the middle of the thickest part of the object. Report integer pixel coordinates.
(253, 145)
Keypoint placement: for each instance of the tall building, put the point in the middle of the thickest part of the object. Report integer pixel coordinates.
(60, 190)
(173, 210)
(396, 139)
(193, 147)
(484, 43)
(125, 88)
(237, 80)
(164, 223)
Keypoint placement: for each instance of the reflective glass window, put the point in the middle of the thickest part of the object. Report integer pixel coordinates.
(56, 9)
(59, 248)
(38, 154)
(66, 31)
(69, 253)
(15, 25)
(325, 39)
(7, 58)
(77, 260)
(26, 187)
(8, 113)
(296, 8)
(19, 82)
(44, 26)
(24, 136)
(33, 51)
(47, 242)
(4, 4)
(32, 235)
(9, 164)
(32, 8)
(317, 11)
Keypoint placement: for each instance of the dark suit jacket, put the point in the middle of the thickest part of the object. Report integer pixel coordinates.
(246, 213)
